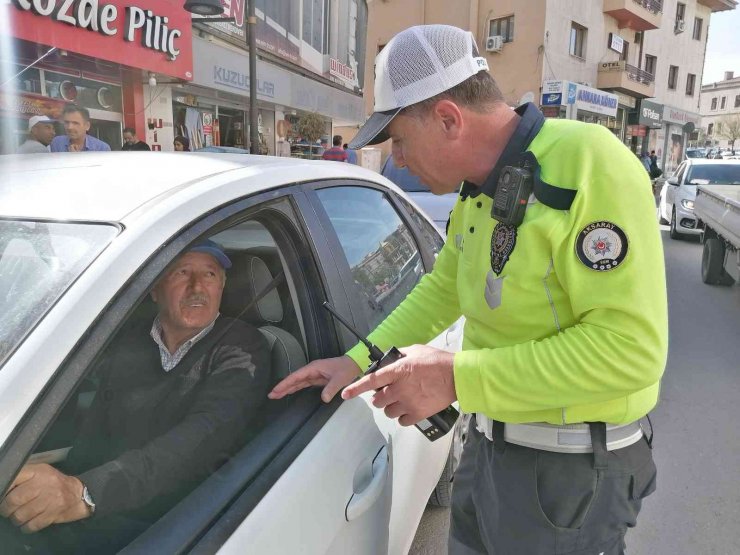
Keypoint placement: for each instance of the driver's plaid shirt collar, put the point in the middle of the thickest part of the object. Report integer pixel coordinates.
(170, 360)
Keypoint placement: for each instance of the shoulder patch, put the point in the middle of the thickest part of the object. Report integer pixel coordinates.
(601, 246)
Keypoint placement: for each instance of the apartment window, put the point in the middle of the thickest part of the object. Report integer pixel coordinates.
(503, 26)
(690, 82)
(672, 77)
(723, 103)
(680, 12)
(710, 128)
(578, 40)
(737, 101)
(714, 103)
(625, 52)
(651, 63)
(698, 22)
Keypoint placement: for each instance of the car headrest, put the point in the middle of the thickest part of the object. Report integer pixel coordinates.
(247, 278)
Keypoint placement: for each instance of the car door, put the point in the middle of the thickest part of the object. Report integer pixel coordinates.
(317, 478)
(381, 258)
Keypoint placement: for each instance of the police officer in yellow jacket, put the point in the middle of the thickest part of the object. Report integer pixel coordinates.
(554, 257)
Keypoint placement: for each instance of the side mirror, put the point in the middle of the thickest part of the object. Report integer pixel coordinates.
(673, 181)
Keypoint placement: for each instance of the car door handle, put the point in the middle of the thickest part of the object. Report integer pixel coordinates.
(363, 500)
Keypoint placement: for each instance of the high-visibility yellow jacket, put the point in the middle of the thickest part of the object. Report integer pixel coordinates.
(563, 334)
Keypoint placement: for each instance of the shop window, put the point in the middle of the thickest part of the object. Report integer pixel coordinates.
(698, 23)
(690, 82)
(673, 77)
(503, 26)
(714, 103)
(651, 63)
(578, 35)
(90, 94)
(723, 103)
(28, 81)
(710, 128)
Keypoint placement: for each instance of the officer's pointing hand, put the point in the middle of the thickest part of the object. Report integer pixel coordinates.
(413, 388)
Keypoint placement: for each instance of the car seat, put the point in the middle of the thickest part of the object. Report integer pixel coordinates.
(247, 278)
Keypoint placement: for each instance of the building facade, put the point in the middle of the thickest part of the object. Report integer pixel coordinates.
(720, 113)
(633, 66)
(166, 73)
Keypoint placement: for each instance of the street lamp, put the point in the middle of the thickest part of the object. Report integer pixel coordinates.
(214, 7)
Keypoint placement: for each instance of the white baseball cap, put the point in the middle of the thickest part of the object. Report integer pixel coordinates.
(417, 64)
(38, 119)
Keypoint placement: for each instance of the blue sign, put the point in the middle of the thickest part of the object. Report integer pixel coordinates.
(553, 99)
(572, 89)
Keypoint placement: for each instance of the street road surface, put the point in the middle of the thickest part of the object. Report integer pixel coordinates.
(696, 509)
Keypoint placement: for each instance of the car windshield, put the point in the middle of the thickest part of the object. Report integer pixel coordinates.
(38, 262)
(712, 174)
(696, 153)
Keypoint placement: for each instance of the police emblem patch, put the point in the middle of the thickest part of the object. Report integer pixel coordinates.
(601, 246)
(503, 242)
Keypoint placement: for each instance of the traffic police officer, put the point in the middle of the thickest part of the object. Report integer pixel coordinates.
(555, 259)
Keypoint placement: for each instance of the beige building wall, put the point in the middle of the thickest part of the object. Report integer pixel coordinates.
(729, 89)
(681, 50)
(518, 67)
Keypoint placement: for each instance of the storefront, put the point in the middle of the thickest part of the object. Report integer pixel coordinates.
(95, 54)
(646, 122)
(565, 99)
(220, 91)
(677, 126)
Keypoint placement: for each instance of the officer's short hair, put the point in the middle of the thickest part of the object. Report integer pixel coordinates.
(477, 93)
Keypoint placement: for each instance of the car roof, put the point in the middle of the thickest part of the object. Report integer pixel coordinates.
(106, 186)
(711, 161)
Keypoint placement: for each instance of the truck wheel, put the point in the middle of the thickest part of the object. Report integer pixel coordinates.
(712, 263)
(674, 232)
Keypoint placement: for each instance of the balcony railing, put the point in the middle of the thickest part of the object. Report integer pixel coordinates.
(655, 6)
(639, 75)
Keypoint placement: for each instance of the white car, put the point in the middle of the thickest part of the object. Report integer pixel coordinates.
(83, 238)
(679, 191)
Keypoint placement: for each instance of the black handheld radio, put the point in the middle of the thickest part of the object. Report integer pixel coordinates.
(433, 427)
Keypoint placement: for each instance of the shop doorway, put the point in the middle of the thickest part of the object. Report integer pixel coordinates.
(108, 131)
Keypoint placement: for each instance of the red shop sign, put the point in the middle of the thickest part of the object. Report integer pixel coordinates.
(155, 35)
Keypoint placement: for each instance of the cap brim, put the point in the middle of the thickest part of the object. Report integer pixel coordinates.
(219, 255)
(374, 130)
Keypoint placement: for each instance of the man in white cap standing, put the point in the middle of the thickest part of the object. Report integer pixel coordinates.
(40, 133)
(555, 259)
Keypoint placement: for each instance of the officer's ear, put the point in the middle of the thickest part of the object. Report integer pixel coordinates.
(448, 115)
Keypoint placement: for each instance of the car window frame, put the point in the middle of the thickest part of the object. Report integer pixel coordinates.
(335, 244)
(308, 413)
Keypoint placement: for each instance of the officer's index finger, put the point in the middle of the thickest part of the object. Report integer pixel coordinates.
(370, 382)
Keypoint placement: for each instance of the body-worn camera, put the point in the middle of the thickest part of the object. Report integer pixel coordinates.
(512, 195)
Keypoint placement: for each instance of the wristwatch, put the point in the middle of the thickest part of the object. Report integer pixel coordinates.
(87, 499)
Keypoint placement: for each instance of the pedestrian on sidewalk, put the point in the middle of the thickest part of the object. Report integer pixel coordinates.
(336, 153)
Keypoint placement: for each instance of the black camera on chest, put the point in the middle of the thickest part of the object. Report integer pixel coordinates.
(512, 195)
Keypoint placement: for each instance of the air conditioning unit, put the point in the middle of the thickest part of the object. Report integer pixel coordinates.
(494, 43)
(680, 26)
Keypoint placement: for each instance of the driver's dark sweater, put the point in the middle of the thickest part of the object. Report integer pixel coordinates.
(151, 435)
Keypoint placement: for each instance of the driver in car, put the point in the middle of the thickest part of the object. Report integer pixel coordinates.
(177, 397)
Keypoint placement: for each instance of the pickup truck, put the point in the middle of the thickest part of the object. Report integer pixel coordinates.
(718, 209)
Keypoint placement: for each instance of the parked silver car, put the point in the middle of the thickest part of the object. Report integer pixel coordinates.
(679, 191)
(83, 239)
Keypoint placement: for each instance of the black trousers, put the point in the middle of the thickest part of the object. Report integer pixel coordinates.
(517, 500)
